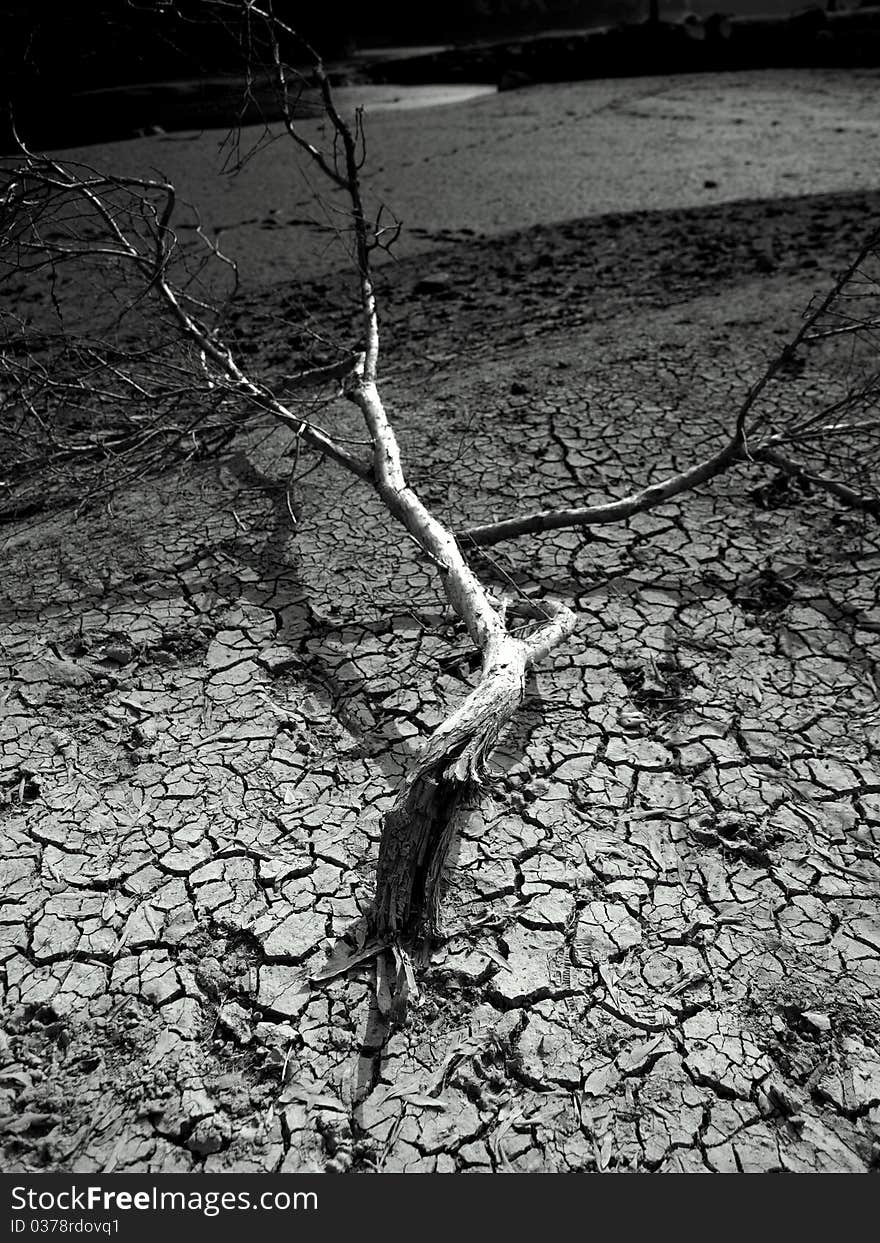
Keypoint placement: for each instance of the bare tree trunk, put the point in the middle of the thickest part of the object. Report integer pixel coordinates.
(439, 793)
(422, 825)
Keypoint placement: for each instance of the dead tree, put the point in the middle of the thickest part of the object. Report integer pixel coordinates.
(58, 215)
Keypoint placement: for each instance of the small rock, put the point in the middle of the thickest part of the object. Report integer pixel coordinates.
(280, 659)
(59, 672)
(233, 1019)
(118, 653)
(514, 80)
(439, 283)
(776, 1096)
(819, 1022)
(209, 1135)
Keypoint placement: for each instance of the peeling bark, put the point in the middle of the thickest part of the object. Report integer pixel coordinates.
(440, 791)
(443, 786)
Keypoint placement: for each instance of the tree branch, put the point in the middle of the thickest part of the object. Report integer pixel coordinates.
(850, 498)
(614, 511)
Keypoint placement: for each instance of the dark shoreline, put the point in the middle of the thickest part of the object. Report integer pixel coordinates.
(812, 39)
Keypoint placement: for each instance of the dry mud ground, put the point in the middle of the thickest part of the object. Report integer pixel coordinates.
(664, 945)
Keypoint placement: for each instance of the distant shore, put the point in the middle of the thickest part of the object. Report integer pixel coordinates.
(814, 38)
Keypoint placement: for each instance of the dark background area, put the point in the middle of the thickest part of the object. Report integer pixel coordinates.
(172, 64)
(54, 53)
(81, 46)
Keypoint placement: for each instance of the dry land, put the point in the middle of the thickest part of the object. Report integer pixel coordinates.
(663, 944)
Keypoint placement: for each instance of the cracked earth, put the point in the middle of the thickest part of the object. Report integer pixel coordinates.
(663, 943)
